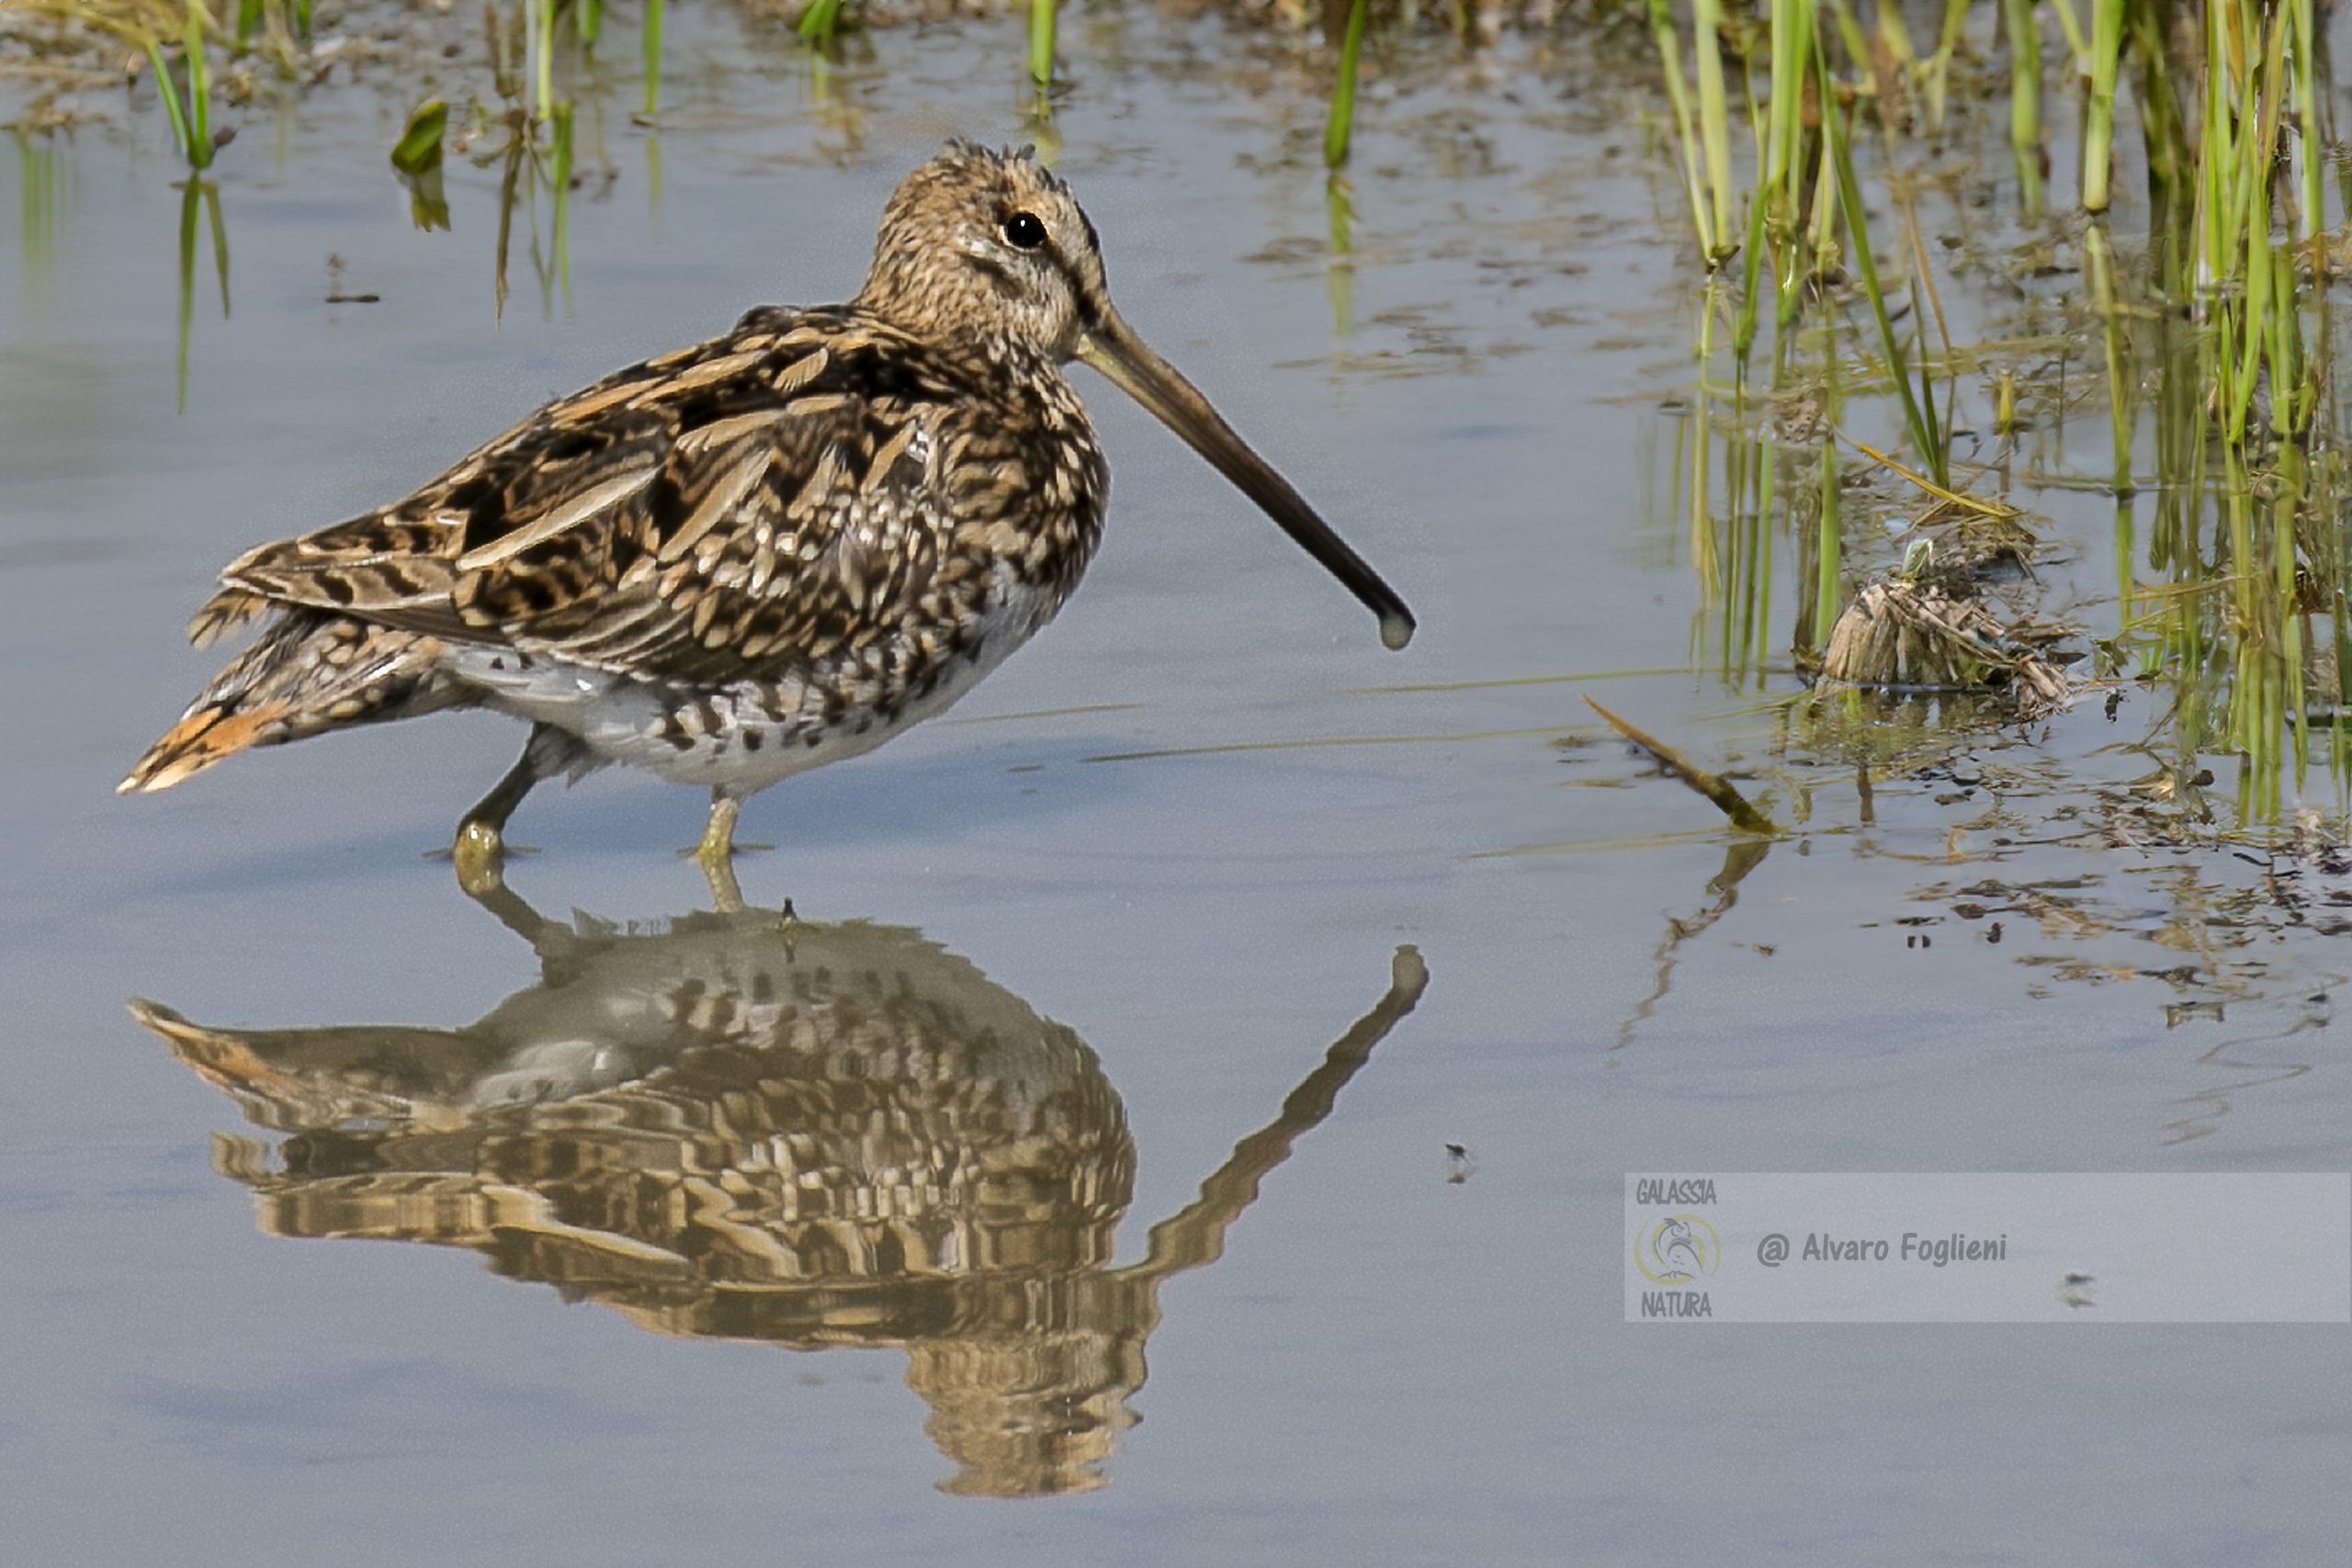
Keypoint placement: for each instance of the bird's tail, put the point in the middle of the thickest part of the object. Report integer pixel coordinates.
(308, 673)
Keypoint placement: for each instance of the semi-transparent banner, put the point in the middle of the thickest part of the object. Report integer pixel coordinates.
(1912, 1248)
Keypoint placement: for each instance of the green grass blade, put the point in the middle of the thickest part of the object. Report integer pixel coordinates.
(650, 43)
(168, 92)
(1835, 135)
(1713, 120)
(2099, 135)
(1678, 98)
(1041, 43)
(1340, 127)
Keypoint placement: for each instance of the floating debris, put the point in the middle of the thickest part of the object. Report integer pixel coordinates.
(1732, 804)
(1913, 632)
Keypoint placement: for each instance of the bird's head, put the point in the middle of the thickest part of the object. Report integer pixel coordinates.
(990, 244)
(991, 250)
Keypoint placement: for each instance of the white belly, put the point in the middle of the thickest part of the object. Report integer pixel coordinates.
(744, 735)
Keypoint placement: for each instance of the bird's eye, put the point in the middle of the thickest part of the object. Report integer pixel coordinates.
(1024, 232)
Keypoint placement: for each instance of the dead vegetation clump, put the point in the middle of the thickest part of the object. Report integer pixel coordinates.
(1916, 633)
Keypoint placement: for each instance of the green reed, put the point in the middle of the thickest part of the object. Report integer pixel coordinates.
(649, 47)
(1699, 186)
(149, 26)
(821, 24)
(2098, 133)
(559, 186)
(1341, 125)
(542, 51)
(1918, 409)
(192, 109)
(1041, 43)
(1715, 123)
(2217, 327)
(2025, 99)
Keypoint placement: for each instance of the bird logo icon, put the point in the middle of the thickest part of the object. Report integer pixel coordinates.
(1677, 1249)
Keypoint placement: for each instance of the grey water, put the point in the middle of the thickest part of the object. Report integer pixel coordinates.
(1400, 954)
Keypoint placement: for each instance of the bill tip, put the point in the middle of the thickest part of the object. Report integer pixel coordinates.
(1396, 630)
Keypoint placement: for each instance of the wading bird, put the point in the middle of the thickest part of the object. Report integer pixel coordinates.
(754, 555)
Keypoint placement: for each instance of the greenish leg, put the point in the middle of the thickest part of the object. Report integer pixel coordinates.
(481, 851)
(717, 853)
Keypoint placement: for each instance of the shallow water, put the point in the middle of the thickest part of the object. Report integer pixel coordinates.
(1205, 827)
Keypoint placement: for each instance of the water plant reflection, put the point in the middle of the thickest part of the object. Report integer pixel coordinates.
(744, 1126)
(199, 192)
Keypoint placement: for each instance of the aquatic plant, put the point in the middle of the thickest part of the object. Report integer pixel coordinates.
(1341, 123)
(2221, 323)
(820, 23)
(1041, 43)
(416, 159)
(650, 47)
(542, 51)
(148, 26)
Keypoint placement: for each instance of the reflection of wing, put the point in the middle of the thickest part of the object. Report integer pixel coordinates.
(809, 1134)
(770, 497)
(875, 1105)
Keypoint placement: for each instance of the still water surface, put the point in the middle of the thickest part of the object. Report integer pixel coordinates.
(1154, 983)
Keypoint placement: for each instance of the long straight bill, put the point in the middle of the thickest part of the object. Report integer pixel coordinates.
(1114, 350)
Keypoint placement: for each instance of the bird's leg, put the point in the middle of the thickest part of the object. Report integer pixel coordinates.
(479, 851)
(716, 853)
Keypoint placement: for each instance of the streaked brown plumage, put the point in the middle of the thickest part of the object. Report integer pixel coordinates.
(747, 558)
(737, 1126)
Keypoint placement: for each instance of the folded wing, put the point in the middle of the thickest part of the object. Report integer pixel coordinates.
(771, 498)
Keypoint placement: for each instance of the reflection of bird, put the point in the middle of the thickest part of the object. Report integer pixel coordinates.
(734, 562)
(1677, 1248)
(750, 1128)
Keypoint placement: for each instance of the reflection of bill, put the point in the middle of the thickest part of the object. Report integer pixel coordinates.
(1679, 1250)
(743, 1127)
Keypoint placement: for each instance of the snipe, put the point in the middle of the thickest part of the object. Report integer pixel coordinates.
(754, 556)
